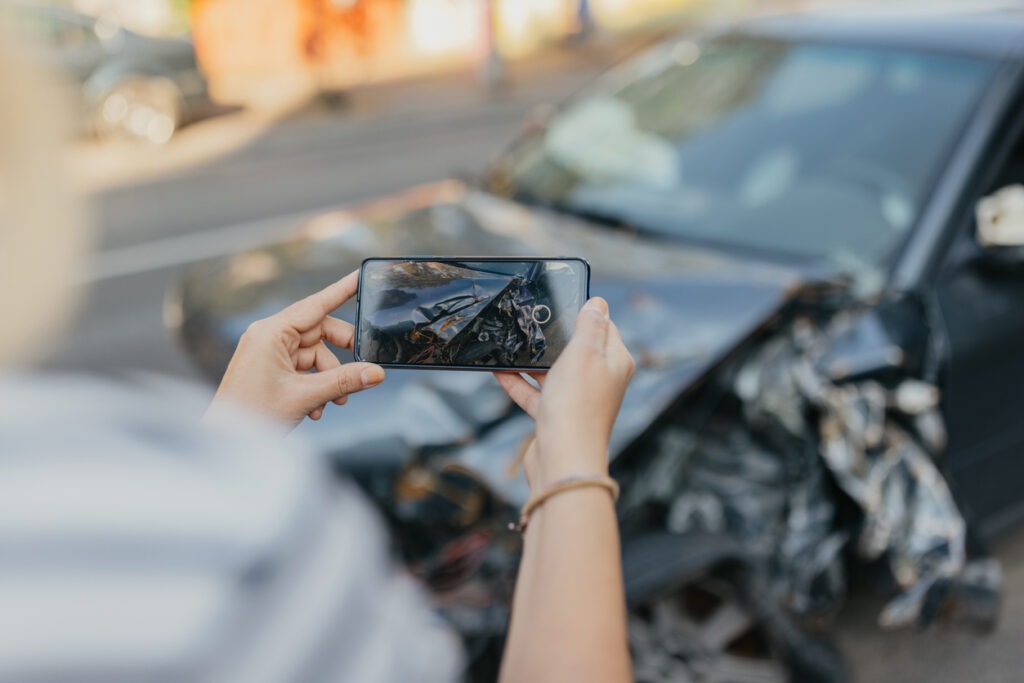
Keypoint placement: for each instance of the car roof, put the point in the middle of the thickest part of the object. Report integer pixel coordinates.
(982, 29)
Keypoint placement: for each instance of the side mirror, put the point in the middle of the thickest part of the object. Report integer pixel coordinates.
(1000, 228)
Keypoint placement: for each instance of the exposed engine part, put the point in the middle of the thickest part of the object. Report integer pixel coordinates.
(879, 443)
(761, 473)
(703, 633)
(472, 313)
(778, 507)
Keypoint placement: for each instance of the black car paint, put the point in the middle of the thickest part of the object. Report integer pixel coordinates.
(977, 292)
(972, 312)
(942, 315)
(983, 457)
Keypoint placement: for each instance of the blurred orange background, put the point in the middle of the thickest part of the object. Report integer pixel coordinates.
(334, 44)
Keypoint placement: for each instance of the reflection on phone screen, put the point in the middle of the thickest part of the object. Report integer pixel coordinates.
(512, 314)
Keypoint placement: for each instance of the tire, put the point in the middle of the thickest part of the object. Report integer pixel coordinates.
(140, 109)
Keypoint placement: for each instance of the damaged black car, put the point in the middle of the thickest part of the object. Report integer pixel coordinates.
(810, 232)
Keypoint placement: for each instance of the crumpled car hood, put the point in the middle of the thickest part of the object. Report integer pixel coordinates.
(680, 309)
(456, 315)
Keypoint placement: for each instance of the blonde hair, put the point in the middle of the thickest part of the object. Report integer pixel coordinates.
(43, 234)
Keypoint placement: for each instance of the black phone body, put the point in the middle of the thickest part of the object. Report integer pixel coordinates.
(468, 313)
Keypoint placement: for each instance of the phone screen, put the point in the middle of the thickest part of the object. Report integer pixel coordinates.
(468, 314)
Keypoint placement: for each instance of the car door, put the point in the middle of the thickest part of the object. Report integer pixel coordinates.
(981, 303)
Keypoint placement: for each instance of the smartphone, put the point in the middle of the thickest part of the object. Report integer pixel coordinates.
(479, 313)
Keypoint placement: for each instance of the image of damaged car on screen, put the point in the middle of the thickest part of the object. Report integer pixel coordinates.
(467, 314)
(810, 231)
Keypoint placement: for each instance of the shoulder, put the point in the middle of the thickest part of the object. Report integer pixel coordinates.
(142, 543)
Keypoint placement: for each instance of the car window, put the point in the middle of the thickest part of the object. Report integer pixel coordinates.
(810, 150)
(1011, 172)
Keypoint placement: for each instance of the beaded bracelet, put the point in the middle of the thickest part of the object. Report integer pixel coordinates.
(561, 486)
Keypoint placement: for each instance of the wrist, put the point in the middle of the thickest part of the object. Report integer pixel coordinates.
(573, 438)
(558, 460)
(569, 485)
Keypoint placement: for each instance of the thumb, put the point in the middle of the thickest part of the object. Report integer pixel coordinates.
(323, 387)
(592, 325)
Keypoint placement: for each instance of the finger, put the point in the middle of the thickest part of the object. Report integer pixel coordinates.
(617, 351)
(326, 387)
(317, 356)
(309, 312)
(328, 362)
(592, 325)
(323, 359)
(317, 414)
(522, 393)
(599, 303)
(340, 333)
(305, 358)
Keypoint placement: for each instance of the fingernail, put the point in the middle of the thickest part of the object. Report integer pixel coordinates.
(597, 305)
(372, 376)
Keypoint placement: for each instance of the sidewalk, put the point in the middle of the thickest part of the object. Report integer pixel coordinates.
(463, 87)
(550, 76)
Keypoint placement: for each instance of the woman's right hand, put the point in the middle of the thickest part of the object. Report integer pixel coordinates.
(576, 406)
(271, 371)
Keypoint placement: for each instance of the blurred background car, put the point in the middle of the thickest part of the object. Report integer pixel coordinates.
(799, 187)
(130, 86)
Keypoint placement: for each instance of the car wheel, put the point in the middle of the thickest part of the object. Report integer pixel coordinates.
(140, 109)
(702, 633)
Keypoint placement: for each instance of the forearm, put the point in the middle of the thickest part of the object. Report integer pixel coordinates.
(569, 615)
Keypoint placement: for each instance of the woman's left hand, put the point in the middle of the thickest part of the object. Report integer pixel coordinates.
(271, 370)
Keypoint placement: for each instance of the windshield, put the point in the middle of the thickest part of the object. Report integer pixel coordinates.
(808, 150)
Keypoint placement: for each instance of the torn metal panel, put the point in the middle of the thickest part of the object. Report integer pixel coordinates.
(878, 442)
(775, 504)
(761, 473)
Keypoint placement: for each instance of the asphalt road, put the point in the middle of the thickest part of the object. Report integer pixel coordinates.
(188, 202)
